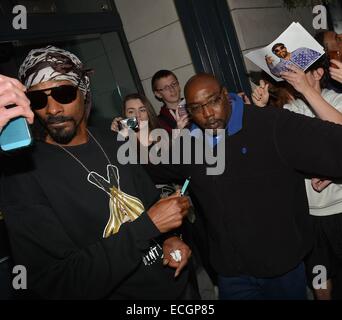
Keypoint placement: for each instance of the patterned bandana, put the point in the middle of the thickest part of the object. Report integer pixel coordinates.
(54, 64)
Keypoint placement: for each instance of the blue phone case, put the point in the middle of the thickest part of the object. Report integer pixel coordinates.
(16, 134)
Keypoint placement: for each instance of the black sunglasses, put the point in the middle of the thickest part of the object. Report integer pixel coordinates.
(280, 48)
(63, 94)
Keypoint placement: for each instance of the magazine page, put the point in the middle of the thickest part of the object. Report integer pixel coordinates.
(295, 46)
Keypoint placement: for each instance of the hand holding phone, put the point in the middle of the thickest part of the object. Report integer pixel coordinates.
(14, 110)
(13, 101)
(181, 108)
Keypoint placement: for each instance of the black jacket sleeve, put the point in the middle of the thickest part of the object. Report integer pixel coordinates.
(309, 144)
(57, 268)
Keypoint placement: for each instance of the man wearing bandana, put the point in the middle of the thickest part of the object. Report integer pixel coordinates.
(84, 226)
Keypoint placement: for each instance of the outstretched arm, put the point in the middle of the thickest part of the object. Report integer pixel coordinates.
(309, 144)
(325, 111)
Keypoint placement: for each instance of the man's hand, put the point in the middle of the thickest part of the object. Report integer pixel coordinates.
(171, 245)
(12, 92)
(168, 213)
(260, 95)
(336, 73)
(269, 59)
(319, 184)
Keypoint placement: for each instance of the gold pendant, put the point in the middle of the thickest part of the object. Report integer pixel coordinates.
(123, 208)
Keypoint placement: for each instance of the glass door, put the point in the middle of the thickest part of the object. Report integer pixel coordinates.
(104, 49)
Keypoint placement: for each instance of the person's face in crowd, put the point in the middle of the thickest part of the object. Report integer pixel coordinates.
(281, 51)
(64, 122)
(208, 104)
(332, 40)
(168, 89)
(135, 108)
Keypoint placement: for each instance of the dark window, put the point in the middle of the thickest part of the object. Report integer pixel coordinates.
(212, 41)
(90, 29)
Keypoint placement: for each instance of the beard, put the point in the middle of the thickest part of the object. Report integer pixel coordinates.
(61, 135)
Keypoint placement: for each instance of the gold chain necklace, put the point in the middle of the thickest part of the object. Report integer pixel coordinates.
(116, 175)
(123, 207)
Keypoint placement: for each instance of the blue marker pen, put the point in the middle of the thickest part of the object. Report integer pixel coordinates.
(185, 186)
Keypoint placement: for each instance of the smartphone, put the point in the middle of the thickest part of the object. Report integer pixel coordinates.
(16, 134)
(181, 108)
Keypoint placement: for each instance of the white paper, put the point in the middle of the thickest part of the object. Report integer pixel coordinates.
(297, 41)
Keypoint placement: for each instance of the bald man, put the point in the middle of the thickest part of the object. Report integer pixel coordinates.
(256, 212)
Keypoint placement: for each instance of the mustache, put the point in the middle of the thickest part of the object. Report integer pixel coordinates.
(57, 119)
